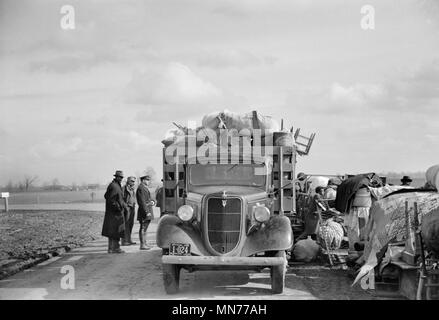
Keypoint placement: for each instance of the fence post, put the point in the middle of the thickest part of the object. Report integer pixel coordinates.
(5, 195)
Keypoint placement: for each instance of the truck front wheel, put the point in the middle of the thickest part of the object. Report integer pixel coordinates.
(171, 277)
(277, 274)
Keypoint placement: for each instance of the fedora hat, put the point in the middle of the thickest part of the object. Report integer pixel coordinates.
(301, 176)
(145, 177)
(119, 173)
(406, 178)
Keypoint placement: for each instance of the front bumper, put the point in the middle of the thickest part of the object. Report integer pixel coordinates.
(223, 261)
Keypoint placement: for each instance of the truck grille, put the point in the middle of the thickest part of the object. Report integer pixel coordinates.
(223, 223)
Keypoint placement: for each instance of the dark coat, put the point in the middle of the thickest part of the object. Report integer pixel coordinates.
(143, 200)
(159, 198)
(114, 208)
(347, 189)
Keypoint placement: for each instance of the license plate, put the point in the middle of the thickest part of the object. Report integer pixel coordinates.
(180, 249)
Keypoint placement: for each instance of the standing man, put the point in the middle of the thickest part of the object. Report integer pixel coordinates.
(159, 199)
(114, 218)
(145, 211)
(130, 199)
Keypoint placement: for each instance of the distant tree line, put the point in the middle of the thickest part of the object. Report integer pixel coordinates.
(29, 183)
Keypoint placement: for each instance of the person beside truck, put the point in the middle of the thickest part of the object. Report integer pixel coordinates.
(145, 210)
(114, 222)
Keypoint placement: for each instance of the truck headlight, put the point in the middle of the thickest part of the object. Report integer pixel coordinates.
(261, 213)
(185, 212)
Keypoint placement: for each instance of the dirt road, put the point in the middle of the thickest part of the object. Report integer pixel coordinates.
(137, 275)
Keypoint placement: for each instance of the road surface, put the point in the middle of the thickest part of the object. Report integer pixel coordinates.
(137, 275)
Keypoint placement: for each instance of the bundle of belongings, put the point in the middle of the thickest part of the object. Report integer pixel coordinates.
(244, 124)
(386, 230)
(305, 250)
(241, 122)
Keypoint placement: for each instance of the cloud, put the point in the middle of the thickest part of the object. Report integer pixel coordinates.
(71, 62)
(358, 95)
(409, 91)
(141, 141)
(233, 58)
(174, 84)
(56, 148)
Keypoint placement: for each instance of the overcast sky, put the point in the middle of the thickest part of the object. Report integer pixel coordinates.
(79, 104)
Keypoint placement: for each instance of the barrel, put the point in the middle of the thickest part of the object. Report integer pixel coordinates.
(284, 139)
(432, 176)
(362, 198)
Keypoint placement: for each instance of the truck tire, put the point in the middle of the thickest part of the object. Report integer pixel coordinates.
(171, 277)
(277, 274)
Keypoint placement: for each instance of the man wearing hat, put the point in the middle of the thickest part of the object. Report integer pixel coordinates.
(301, 177)
(145, 211)
(114, 218)
(130, 199)
(406, 180)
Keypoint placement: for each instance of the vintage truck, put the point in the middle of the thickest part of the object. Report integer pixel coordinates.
(235, 213)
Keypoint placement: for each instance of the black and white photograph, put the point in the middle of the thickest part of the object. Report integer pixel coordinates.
(235, 152)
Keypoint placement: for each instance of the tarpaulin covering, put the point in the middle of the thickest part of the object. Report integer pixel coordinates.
(387, 223)
(381, 192)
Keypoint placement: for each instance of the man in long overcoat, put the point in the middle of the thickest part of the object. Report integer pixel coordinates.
(114, 208)
(145, 211)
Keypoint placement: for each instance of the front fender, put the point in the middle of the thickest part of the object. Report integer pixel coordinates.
(276, 234)
(172, 230)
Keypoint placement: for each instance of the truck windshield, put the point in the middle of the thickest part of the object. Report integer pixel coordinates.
(227, 174)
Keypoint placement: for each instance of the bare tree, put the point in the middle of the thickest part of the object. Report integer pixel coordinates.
(28, 182)
(55, 183)
(10, 186)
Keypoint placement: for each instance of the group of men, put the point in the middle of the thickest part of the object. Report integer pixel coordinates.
(120, 203)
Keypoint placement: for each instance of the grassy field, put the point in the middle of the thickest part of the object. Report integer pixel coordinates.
(50, 197)
(27, 234)
(56, 197)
